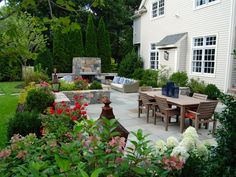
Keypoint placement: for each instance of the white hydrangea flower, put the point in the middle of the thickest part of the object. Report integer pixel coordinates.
(172, 142)
(202, 151)
(188, 143)
(190, 132)
(161, 147)
(180, 152)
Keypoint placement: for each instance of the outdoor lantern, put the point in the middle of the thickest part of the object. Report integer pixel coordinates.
(55, 82)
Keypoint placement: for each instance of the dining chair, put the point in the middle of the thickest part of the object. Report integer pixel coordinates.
(165, 111)
(200, 96)
(146, 102)
(204, 114)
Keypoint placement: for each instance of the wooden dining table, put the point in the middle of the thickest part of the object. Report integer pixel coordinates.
(182, 102)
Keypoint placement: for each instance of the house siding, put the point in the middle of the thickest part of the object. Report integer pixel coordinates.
(180, 17)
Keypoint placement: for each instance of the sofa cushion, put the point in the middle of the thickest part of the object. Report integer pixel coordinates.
(121, 80)
(117, 85)
(128, 81)
(116, 79)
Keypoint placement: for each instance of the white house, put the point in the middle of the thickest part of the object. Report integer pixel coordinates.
(196, 36)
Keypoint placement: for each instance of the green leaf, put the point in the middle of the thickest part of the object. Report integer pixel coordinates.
(139, 170)
(63, 164)
(83, 173)
(96, 172)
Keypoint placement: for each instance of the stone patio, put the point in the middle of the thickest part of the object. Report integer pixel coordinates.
(125, 110)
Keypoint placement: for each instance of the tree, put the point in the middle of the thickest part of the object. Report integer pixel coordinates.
(21, 38)
(91, 39)
(104, 48)
(129, 63)
(75, 39)
(46, 60)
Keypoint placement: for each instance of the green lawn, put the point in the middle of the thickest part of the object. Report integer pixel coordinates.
(8, 105)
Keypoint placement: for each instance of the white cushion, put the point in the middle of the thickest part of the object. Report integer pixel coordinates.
(117, 85)
(116, 79)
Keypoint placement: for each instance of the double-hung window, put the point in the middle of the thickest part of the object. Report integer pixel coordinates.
(154, 57)
(158, 8)
(204, 52)
(204, 2)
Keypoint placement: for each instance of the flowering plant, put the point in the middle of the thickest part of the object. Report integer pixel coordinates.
(60, 118)
(81, 84)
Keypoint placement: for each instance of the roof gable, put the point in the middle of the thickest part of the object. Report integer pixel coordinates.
(142, 3)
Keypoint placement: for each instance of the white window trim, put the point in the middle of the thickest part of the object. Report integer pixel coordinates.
(158, 16)
(202, 74)
(149, 59)
(195, 7)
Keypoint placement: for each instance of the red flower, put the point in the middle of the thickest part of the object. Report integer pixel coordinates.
(77, 105)
(76, 97)
(81, 96)
(74, 118)
(59, 111)
(85, 104)
(83, 112)
(54, 104)
(51, 110)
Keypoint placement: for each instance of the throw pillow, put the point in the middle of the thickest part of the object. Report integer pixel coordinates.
(116, 79)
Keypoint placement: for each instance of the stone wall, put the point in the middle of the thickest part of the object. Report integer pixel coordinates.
(86, 65)
(91, 96)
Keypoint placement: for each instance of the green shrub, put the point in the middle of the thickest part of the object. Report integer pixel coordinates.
(35, 76)
(222, 160)
(180, 78)
(67, 86)
(24, 123)
(163, 76)
(9, 72)
(196, 86)
(212, 91)
(129, 64)
(39, 99)
(149, 78)
(138, 73)
(95, 85)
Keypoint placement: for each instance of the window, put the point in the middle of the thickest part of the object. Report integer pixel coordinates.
(154, 57)
(203, 2)
(158, 8)
(204, 49)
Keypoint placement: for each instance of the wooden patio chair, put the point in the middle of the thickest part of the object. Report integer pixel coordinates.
(145, 102)
(204, 114)
(165, 111)
(200, 96)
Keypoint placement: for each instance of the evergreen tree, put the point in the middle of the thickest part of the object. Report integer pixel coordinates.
(76, 40)
(91, 39)
(46, 60)
(104, 48)
(60, 53)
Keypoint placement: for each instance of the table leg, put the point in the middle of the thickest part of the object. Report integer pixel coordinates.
(182, 118)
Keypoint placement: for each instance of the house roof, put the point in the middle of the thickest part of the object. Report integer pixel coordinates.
(142, 4)
(170, 40)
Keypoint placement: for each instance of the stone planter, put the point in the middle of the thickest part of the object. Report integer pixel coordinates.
(90, 96)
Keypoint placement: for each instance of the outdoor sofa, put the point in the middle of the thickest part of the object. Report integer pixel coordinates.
(125, 85)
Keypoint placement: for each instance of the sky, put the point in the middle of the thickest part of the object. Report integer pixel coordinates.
(2, 3)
